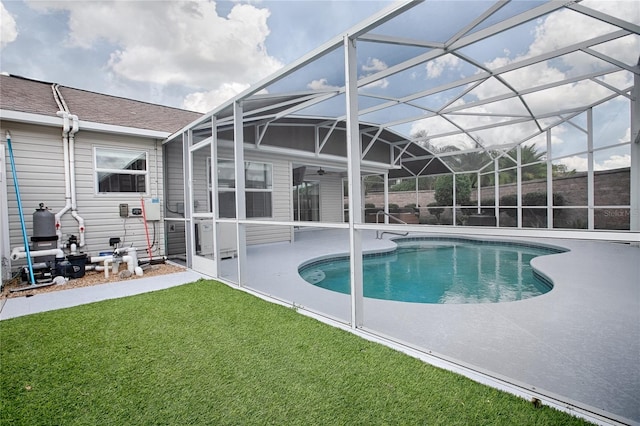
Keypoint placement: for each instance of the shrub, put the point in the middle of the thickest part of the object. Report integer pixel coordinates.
(436, 211)
(444, 190)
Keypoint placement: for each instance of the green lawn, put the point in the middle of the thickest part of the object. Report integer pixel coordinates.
(204, 353)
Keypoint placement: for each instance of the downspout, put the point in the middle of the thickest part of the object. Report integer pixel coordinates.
(65, 151)
(72, 169)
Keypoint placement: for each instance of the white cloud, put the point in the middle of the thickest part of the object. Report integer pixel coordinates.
(374, 65)
(580, 163)
(614, 162)
(321, 84)
(206, 101)
(552, 33)
(627, 136)
(382, 84)
(574, 163)
(177, 42)
(438, 65)
(8, 28)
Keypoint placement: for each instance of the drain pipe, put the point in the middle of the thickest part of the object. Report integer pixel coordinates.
(72, 169)
(67, 183)
(64, 114)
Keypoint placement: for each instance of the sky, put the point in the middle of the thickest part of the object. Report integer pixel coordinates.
(184, 54)
(197, 54)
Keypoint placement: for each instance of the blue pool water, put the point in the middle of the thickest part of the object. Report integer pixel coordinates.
(440, 271)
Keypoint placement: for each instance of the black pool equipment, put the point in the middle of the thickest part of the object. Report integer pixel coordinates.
(44, 233)
(77, 264)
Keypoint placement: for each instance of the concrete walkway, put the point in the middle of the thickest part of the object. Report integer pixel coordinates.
(19, 306)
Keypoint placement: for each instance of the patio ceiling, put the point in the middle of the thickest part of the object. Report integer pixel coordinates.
(442, 81)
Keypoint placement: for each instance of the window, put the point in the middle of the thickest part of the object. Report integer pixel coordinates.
(258, 189)
(120, 170)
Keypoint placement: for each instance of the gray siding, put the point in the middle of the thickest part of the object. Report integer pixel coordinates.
(39, 165)
(174, 182)
(174, 198)
(281, 200)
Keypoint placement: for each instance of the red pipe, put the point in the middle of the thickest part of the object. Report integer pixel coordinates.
(146, 230)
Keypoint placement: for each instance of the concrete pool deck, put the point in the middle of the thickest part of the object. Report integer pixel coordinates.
(578, 345)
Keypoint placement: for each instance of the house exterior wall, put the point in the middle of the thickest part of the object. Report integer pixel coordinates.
(40, 169)
(331, 200)
(281, 195)
(174, 199)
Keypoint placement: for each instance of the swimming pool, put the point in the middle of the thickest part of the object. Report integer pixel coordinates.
(440, 270)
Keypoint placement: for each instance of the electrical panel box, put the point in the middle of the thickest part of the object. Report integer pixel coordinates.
(124, 210)
(152, 208)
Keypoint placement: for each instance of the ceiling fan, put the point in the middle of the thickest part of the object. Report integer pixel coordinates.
(320, 171)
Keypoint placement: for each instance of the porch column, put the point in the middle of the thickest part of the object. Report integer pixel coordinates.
(479, 193)
(519, 185)
(496, 191)
(355, 182)
(590, 175)
(635, 154)
(188, 210)
(453, 196)
(386, 198)
(549, 182)
(241, 209)
(214, 191)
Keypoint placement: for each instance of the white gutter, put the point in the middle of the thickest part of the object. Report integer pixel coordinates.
(48, 120)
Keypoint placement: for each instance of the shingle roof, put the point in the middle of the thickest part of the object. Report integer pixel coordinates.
(36, 97)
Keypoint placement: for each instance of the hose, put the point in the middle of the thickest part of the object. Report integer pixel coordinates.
(20, 211)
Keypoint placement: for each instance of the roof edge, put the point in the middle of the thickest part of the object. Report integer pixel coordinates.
(46, 120)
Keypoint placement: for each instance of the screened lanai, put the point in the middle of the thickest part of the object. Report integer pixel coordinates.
(508, 119)
(530, 105)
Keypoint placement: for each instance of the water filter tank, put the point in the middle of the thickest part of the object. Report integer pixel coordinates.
(44, 225)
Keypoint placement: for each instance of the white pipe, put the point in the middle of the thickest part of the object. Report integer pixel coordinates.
(20, 253)
(133, 264)
(67, 180)
(106, 266)
(129, 260)
(99, 259)
(72, 169)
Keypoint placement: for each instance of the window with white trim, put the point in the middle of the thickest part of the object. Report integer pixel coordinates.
(121, 170)
(258, 189)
